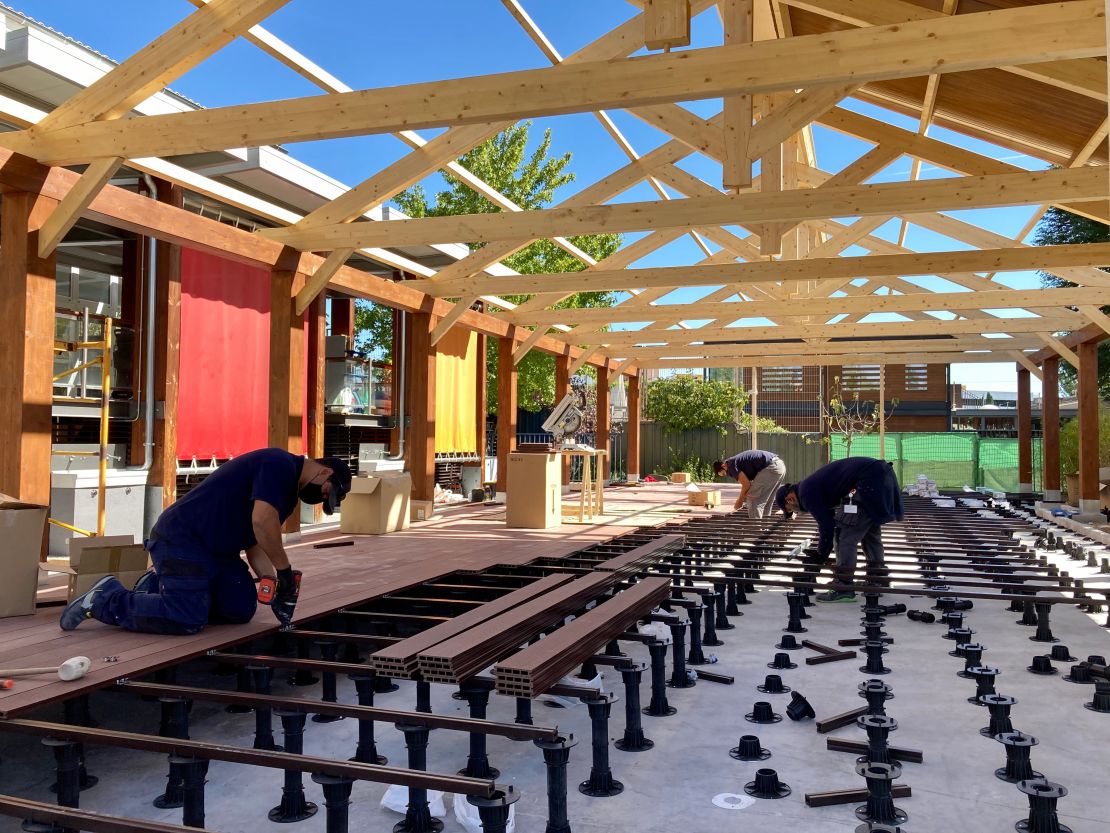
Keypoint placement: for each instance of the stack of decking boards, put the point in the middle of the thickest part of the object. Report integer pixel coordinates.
(464, 646)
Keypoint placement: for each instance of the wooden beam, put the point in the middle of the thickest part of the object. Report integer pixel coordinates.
(620, 339)
(829, 307)
(26, 349)
(1096, 316)
(836, 360)
(890, 198)
(530, 342)
(736, 17)
(462, 306)
(70, 209)
(319, 279)
(171, 55)
(1086, 77)
(1027, 363)
(807, 269)
(1065, 352)
(793, 115)
(580, 362)
(623, 367)
(1052, 31)
(666, 24)
(1072, 339)
(801, 348)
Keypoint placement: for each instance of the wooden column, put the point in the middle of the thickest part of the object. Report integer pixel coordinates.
(480, 406)
(506, 409)
(421, 443)
(287, 378)
(133, 315)
(634, 427)
(1024, 431)
(601, 435)
(882, 412)
(1050, 424)
(167, 354)
(26, 348)
(316, 325)
(397, 412)
(755, 407)
(562, 388)
(1087, 374)
(343, 319)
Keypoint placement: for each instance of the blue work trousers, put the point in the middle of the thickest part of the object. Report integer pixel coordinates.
(195, 588)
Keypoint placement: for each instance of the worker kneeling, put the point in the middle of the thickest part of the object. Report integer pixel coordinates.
(198, 576)
(850, 499)
(759, 474)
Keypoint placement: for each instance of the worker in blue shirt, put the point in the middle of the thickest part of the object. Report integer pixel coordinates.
(759, 474)
(198, 576)
(850, 499)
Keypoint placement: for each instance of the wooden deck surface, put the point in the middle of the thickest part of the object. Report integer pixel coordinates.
(463, 538)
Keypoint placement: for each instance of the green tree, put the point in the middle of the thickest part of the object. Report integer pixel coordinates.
(1059, 227)
(683, 402)
(530, 180)
(846, 414)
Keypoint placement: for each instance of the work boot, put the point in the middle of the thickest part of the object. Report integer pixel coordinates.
(835, 595)
(80, 608)
(147, 583)
(878, 576)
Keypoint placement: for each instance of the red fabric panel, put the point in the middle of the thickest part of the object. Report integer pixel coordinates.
(223, 403)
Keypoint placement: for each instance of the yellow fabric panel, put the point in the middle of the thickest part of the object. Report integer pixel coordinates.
(456, 392)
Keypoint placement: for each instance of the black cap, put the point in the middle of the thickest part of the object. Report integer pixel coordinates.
(340, 482)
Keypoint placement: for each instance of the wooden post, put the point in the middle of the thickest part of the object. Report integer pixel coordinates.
(562, 388)
(506, 409)
(287, 383)
(400, 348)
(633, 427)
(1050, 425)
(1087, 374)
(480, 408)
(314, 385)
(26, 349)
(882, 412)
(1024, 431)
(421, 443)
(755, 407)
(343, 319)
(167, 355)
(601, 434)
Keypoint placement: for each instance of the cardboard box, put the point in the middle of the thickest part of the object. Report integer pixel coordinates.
(421, 510)
(22, 529)
(534, 494)
(90, 559)
(376, 504)
(680, 477)
(706, 497)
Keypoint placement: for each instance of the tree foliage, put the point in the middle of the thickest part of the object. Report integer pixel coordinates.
(1059, 227)
(530, 180)
(684, 402)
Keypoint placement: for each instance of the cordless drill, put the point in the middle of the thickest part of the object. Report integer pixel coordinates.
(281, 594)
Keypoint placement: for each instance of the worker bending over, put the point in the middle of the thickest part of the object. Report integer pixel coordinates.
(198, 575)
(759, 473)
(852, 499)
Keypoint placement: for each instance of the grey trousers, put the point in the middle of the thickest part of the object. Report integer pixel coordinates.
(853, 529)
(760, 498)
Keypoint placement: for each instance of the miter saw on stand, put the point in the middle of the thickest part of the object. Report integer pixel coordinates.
(565, 422)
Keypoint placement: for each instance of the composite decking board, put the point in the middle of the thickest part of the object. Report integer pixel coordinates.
(404, 653)
(333, 578)
(532, 670)
(469, 652)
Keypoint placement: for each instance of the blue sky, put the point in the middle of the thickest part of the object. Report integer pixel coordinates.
(381, 44)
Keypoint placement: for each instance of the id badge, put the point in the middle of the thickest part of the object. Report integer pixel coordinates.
(850, 509)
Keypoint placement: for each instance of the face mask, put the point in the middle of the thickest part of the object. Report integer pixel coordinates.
(311, 493)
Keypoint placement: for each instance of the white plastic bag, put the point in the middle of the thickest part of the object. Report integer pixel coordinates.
(396, 798)
(466, 814)
(656, 630)
(569, 702)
